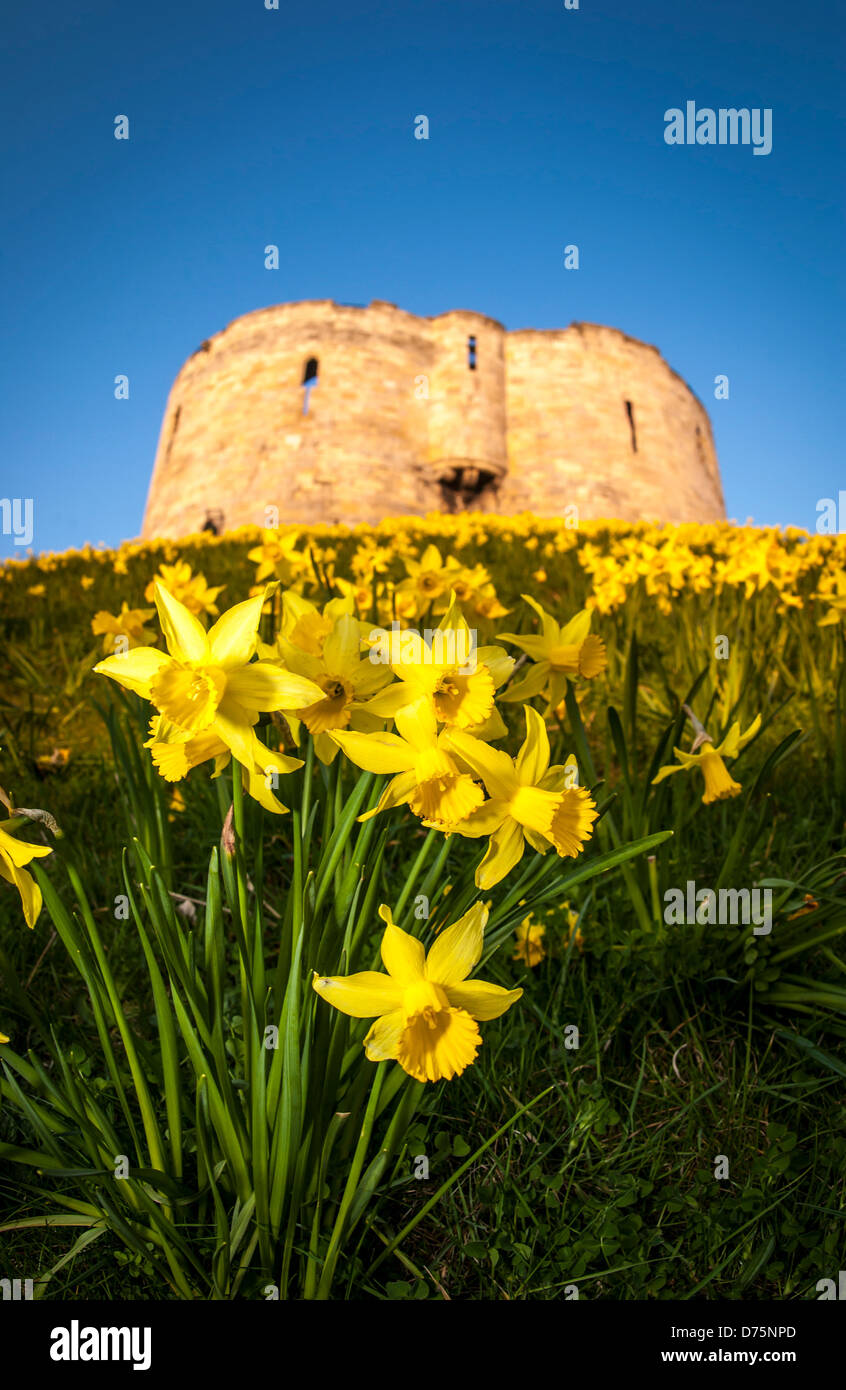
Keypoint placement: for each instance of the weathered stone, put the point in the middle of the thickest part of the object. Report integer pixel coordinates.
(397, 422)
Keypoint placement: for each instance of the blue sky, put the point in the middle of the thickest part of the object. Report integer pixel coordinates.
(295, 127)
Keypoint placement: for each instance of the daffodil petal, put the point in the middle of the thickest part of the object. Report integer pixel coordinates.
(533, 683)
(265, 686)
(481, 999)
(135, 670)
(232, 639)
(342, 648)
(493, 766)
(241, 740)
(532, 644)
(20, 852)
(498, 662)
(403, 955)
(398, 791)
(483, 821)
(27, 887)
(457, 950)
(365, 995)
(751, 731)
(392, 699)
(574, 633)
(382, 1042)
(491, 728)
(504, 851)
(668, 772)
(557, 688)
(735, 740)
(185, 635)
(533, 759)
(691, 759)
(376, 752)
(417, 724)
(255, 782)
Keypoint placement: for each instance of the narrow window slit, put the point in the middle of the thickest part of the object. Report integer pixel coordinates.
(471, 354)
(309, 381)
(630, 413)
(174, 427)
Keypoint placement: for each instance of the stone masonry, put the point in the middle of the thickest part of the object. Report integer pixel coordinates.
(329, 412)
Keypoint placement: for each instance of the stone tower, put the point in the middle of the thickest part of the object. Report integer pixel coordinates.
(320, 411)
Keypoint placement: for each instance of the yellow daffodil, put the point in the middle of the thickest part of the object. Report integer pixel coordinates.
(572, 919)
(474, 590)
(529, 801)
(189, 589)
(345, 678)
(427, 1011)
(305, 625)
(51, 762)
(14, 855)
(457, 679)
(428, 578)
(719, 784)
(427, 777)
(278, 556)
(832, 591)
(559, 654)
(123, 631)
(528, 942)
(371, 558)
(208, 693)
(360, 592)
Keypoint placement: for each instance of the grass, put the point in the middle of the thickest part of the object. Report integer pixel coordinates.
(687, 1142)
(608, 1185)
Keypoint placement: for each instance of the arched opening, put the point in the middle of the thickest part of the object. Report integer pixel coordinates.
(309, 381)
(213, 523)
(633, 432)
(471, 354)
(468, 489)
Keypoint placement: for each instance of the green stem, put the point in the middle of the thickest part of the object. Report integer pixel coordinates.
(238, 823)
(351, 1185)
(607, 825)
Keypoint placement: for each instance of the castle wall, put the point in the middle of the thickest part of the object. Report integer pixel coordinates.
(241, 441)
(571, 440)
(398, 423)
(467, 407)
